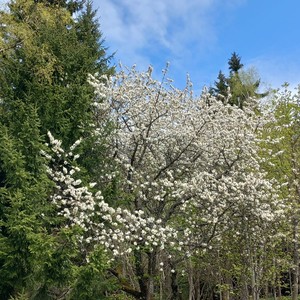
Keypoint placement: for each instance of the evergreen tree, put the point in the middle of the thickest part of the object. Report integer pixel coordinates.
(221, 86)
(89, 35)
(45, 59)
(72, 5)
(235, 63)
(235, 83)
(48, 64)
(242, 84)
(23, 203)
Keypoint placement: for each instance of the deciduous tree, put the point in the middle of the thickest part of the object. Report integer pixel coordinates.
(187, 171)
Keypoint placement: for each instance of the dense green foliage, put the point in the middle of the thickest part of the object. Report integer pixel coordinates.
(45, 59)
(49, 70)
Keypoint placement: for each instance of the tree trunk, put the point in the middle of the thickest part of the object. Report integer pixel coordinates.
(295, 271)
(140, 274)
(266, 291)
(244, 291)
(253, 281)
(191, 282)
(274, 293)
(228, 283)
(152, 257)
(174, 287)
(226, 295)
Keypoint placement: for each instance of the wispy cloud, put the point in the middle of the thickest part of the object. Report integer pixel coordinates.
(277, 70)
(141, 31)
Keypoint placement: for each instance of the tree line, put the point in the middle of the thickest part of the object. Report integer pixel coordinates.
(114, 185)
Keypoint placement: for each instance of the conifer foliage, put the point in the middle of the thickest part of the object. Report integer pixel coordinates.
(240, 85)
(45, 58)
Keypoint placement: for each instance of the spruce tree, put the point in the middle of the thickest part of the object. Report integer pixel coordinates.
(221, 86)
(241, 84)
(89, 35)
(72, 6)
(45, 59)
(48, 62)
(235, 63)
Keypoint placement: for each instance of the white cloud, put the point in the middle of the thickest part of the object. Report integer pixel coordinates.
(131, 25)
(141, 29)
(275, 71)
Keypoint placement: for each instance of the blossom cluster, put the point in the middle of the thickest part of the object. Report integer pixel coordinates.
(117, 229)
(191, 161)
(189, 165)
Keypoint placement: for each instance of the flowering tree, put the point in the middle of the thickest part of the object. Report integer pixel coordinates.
(282, 147)
(187, 170)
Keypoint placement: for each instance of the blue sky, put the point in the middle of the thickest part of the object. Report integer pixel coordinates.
(198, 37)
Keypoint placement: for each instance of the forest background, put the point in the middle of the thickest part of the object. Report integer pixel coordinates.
(114, 185)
